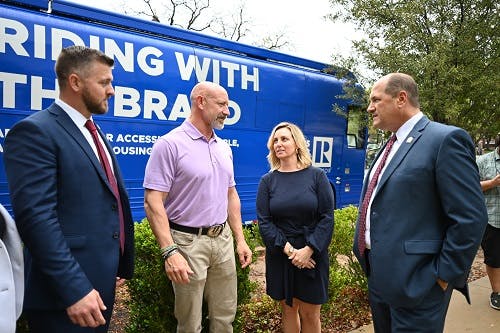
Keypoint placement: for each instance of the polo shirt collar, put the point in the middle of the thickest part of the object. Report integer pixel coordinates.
(194, 133)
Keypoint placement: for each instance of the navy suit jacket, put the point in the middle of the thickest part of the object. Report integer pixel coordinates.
(66, 212)
(427, 216)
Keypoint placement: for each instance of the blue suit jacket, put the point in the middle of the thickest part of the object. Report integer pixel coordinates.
(427, 216)
(65, 211)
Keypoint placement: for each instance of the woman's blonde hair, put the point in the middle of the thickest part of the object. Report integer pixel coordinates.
(303, 155)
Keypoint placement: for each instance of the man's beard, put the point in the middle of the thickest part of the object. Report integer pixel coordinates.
(92, 105)
(218, 124)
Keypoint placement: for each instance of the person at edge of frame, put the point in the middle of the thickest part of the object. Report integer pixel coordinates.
(489, 173)
(73, 217)
(418, 233)
(11, 273)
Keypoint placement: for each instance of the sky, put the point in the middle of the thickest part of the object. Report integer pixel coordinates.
(310, 35)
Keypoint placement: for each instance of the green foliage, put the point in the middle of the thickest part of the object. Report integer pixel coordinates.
(451, 48)
(151, 301)
(245, 286)
(345, 270)
(253, 236)
(342, 240)
(151, 295)
(351, 309)
(262, 315)
(348, 289)
(347, 302)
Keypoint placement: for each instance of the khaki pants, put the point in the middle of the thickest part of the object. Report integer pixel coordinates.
(213, 263)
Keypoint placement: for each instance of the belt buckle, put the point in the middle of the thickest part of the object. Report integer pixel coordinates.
(215, 230)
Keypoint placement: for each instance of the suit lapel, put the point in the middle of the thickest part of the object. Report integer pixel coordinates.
(69, 126)
(404, 148)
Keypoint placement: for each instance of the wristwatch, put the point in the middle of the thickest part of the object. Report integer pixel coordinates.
(290, 250)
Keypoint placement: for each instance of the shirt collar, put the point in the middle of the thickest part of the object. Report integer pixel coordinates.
(76, 116)
(194, 133)
(406, 128)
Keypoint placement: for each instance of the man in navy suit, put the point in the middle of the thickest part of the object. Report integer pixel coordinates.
(425, 218)
(71, 216)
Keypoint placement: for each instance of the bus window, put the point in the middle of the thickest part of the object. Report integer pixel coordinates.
(356, 127)
(375, 141)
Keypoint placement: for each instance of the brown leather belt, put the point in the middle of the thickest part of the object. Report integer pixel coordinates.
(212, 231)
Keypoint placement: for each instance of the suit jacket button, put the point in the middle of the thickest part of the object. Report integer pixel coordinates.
(114, 206)
(116, 235)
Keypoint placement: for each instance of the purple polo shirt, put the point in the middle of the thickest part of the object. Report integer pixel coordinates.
(195, 173)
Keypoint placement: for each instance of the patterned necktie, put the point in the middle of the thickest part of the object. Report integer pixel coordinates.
(109, 174)
(368, 195)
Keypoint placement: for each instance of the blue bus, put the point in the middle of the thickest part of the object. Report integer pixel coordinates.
(155, 68)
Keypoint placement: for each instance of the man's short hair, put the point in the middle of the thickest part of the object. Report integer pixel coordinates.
(397, 82)
(76, 59)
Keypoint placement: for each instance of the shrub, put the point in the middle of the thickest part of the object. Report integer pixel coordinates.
(347, 305)
(245, 286)
(347, 270)
(262, 315)
(346, 275)
(151, 295)
(151, 301)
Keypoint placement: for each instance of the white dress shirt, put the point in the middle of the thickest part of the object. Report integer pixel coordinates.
(401, 135)
(80, 121)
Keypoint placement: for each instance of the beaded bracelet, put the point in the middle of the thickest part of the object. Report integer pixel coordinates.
(171, 253)
(168, 250)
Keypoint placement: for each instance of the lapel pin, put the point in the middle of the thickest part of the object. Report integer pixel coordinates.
(409, 140)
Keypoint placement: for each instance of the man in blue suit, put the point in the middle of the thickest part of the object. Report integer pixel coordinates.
(73, 218)
(425, 216)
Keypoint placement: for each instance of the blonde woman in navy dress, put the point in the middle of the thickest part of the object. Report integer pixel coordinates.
(295, 213)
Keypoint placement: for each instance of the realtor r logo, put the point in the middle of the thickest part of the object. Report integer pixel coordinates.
(322, 151)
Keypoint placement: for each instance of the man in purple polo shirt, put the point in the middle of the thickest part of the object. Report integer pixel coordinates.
(190, 200)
